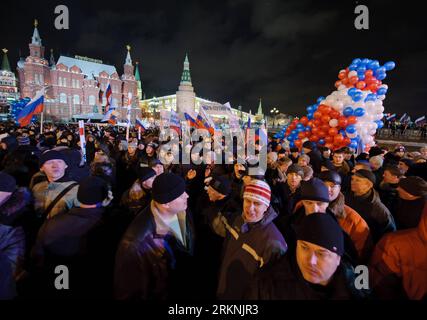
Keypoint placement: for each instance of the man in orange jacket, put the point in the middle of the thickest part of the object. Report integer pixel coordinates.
(398, 267)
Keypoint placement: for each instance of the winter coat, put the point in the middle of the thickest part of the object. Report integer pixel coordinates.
(12, 246)
(151, 265)
(354, 225)
(286, 199)
(247, 248)
(399, 263)
(315, 161)
(389, 196)
(65, 234)
(18, 205)
(374, 212)
(408, 213)
(44, 193)
(283, 280)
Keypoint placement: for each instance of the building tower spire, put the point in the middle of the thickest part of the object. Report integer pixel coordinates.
(5, 63)
(138, 80)
(36, 36)
(186, 78)
(128, 58)
(260, 107)
(52, 62)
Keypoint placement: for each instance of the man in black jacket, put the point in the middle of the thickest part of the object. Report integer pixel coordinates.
(310, 149)
(154, 258)
(314, 271)
(74, 239)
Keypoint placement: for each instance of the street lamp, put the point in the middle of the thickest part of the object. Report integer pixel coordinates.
(274, 112)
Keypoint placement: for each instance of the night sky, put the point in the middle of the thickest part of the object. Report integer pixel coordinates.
(287, 52)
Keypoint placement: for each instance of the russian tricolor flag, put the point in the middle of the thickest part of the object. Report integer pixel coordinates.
(108, 93)
(191, 120)
(138, 123)
(33, 107)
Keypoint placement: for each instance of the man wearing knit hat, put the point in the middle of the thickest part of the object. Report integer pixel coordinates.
(314, 271)
(412, 202)
(349, 220)
(310, 149)
(365, 200)
(220, 199)
(58, 193)
(388, 187)
(314, 197)
(251, 240)
(289, 191)
(68, 238)
(158, 246)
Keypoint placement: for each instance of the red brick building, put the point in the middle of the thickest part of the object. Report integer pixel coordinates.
(73, 84)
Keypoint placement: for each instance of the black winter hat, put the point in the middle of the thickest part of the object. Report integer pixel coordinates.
(314, 190)
(309, 145)
(167, 187)
(51, 155)
(221, 184)
(331, 176)
(322, 230)
(294, 150)
(145, 173)
(375, 151)
(7, 182)
(415, 186)
(407, 161)
(294, 168)
(367, 174)
(92, 190)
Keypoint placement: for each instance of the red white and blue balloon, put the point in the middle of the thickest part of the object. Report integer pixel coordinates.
(350, 115)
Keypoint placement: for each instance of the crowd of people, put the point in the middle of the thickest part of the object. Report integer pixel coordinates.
(129, 223)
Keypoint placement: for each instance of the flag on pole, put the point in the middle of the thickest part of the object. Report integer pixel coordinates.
(202, 124)
(174, 122)
(402, 118)
(139, 124)
(391, 117)
(206, 116)
(108, 96)
(420, 120)
(35, 106)
(192, 122)
(82, 139)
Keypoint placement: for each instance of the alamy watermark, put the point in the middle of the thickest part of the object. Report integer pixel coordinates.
(201, 146)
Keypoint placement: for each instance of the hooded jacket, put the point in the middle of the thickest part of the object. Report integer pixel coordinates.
(398, 265)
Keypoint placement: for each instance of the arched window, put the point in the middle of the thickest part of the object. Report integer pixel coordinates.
(63, 98)
(92, 100)
(76, 99)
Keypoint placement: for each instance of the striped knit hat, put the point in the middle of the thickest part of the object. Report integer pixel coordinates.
(258, 190)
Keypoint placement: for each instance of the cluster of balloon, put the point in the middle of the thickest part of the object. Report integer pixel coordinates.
(350, 115)
(16, 107)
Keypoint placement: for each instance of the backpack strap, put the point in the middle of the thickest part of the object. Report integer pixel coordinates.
(58, 197)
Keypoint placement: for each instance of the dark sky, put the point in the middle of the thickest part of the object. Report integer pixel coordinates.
(287, 52)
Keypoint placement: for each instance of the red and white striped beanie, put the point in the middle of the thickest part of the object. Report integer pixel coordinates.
(258, 190)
